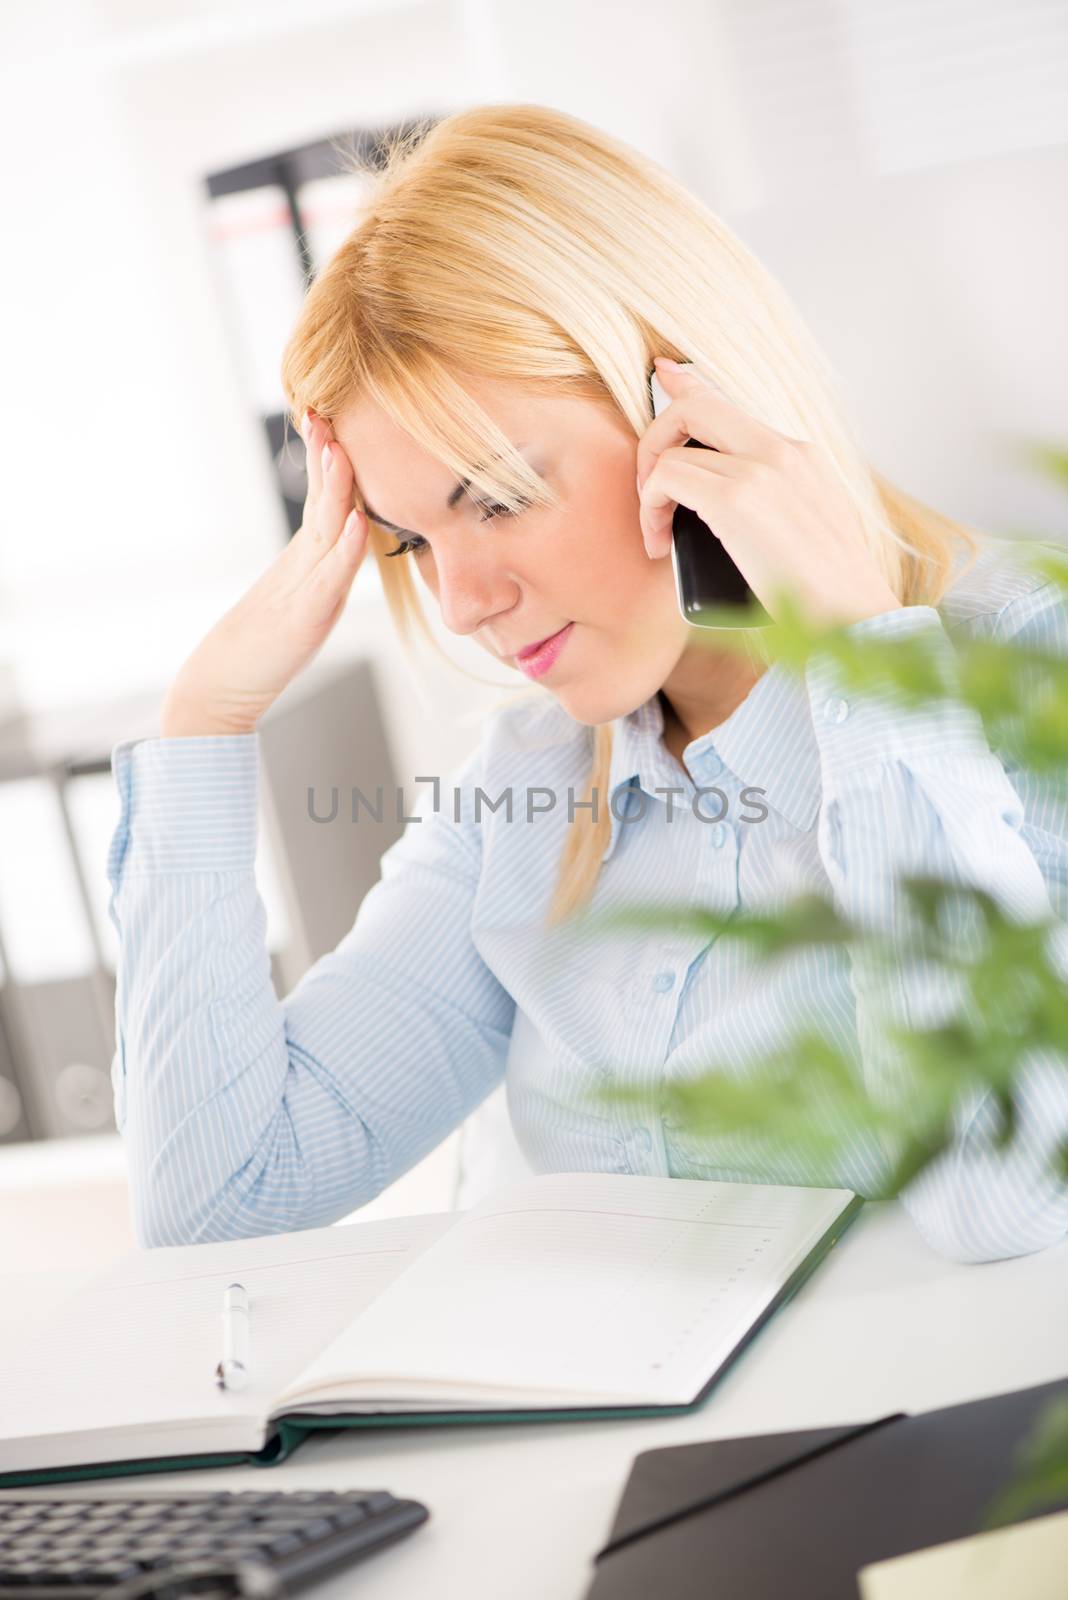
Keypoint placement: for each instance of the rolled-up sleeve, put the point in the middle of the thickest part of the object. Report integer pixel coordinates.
(243, 1113)
(918, 791)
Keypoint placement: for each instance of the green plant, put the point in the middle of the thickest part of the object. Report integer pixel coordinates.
(1011, 997)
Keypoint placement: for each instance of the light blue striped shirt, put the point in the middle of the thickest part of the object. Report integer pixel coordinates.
(243, 1113)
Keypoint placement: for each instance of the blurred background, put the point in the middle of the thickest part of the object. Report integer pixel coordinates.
(170, 186)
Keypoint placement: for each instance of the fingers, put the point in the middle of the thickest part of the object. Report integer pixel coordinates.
(335, 499)
(681, 476)
(699, 409)
(330, 486)
(314, 433)
(330, 579)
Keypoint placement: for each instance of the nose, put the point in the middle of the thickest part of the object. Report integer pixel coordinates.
(471, 588)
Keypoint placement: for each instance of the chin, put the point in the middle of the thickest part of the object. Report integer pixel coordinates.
(592, 703)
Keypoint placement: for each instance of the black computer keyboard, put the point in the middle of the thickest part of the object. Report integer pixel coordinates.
(76, 1547)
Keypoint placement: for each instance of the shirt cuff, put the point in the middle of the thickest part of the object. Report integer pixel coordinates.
(186, 804)
(858, 729)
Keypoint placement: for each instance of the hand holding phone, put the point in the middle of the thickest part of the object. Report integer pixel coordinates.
(711, 589)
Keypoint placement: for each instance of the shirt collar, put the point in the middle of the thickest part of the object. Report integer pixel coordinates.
(767, 743)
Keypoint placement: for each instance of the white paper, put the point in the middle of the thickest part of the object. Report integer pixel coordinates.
(126, 1367)
(578, 1287)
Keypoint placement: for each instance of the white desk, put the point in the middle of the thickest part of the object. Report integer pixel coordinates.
(883, 1325)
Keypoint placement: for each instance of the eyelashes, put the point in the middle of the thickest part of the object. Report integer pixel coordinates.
(406, 546)
(415, 544)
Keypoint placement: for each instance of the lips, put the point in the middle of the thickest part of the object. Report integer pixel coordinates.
(539, 659)
(529, 649)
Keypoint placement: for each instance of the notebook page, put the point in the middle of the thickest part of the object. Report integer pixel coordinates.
(632, 1289)
(126, 1366)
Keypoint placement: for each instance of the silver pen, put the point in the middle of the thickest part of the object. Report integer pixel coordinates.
(232, 1371)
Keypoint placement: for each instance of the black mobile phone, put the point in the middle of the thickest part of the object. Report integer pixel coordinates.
(711, 589)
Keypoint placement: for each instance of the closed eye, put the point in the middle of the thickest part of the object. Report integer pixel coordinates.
(415, 544)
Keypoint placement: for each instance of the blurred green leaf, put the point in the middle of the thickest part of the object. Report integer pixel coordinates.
(1049, 459)
(1041, 1479)
(1011, 998)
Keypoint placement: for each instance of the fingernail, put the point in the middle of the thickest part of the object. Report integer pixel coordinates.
(666, 361)
(325, 458)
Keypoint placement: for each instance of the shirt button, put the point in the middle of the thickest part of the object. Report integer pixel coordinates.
(643, 1140)
(663, 982)
(711, 765)
(835, 710)
(717, 835)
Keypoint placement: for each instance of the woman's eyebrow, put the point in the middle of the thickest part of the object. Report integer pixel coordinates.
(454, 495)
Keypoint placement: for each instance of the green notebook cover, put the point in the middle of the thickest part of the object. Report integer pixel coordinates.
(291, 1430)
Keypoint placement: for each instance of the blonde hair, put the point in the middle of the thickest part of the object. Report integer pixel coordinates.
(518, 242)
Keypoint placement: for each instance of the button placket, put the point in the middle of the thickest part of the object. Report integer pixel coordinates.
(652, 996)
(644, 1142)
(658, 979)
(717, 866)
(714, 875)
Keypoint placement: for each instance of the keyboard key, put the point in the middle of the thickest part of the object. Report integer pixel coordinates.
(85, 1546)
(348, 1516)
(283, 1544)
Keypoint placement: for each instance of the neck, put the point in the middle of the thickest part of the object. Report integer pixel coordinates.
(702, 690)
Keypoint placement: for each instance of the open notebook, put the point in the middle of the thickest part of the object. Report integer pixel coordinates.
(565, 1295)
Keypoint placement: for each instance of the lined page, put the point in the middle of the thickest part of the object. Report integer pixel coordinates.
(590, 1285)
(126, 1366)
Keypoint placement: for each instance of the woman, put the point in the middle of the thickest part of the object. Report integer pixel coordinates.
(472, 366)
